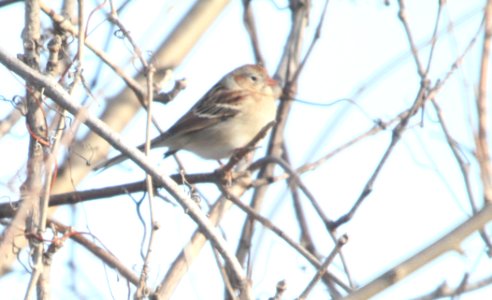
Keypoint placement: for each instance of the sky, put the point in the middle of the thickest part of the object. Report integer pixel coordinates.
(362, 55)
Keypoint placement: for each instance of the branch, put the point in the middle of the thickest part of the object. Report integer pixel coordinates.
(450, 241)
(249, 23)
(142, 289)
(106, 256)
(38, 129)
(7, 210)
(323, 269)
(445, 291)
(481, 140)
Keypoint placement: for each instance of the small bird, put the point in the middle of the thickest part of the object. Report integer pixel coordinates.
(226, 118)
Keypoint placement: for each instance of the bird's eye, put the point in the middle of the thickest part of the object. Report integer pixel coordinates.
(253, 78)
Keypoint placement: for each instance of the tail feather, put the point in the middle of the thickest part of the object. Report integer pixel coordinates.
(114, 161)
(158, 141)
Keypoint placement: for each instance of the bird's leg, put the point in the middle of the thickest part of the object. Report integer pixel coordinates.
(224, 173)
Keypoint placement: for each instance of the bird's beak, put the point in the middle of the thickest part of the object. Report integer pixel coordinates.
(272, 82)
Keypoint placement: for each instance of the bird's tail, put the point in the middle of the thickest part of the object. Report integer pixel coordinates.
(115, 160)
(159, 141)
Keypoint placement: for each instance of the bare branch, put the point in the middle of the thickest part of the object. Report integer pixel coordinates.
(142, 290)
(323, 269)
(483, 152)
(102, 254)
(249, 23)
(449, 242)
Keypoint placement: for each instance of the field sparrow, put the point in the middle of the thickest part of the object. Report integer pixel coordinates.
(226, 118)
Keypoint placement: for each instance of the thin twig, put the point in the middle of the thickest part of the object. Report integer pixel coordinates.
(403, 17)
(242, 152)
(464, 168)
(294, 176)
(324, 267)
(142, 290)
(434, 35)
(424, 94)
(395, 138)
(113, 17)
(445, 291)
(106, 256)
(66, 25)
(249, 23)
(316, 37)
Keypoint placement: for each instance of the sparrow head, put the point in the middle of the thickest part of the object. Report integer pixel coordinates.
(253, 78)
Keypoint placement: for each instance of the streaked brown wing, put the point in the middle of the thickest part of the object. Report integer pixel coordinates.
(217, 105)
(202, 115)
(191, 122)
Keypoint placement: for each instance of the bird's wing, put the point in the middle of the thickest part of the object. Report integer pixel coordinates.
(217, 105)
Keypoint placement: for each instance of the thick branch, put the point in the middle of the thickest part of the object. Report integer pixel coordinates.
(483, 152)
(450, 241)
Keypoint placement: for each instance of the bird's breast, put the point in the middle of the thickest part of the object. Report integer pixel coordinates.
(220, 140)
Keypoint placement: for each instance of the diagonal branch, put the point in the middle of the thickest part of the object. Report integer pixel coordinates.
(449, 242)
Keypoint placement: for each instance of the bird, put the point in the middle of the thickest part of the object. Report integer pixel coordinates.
(225, 119)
